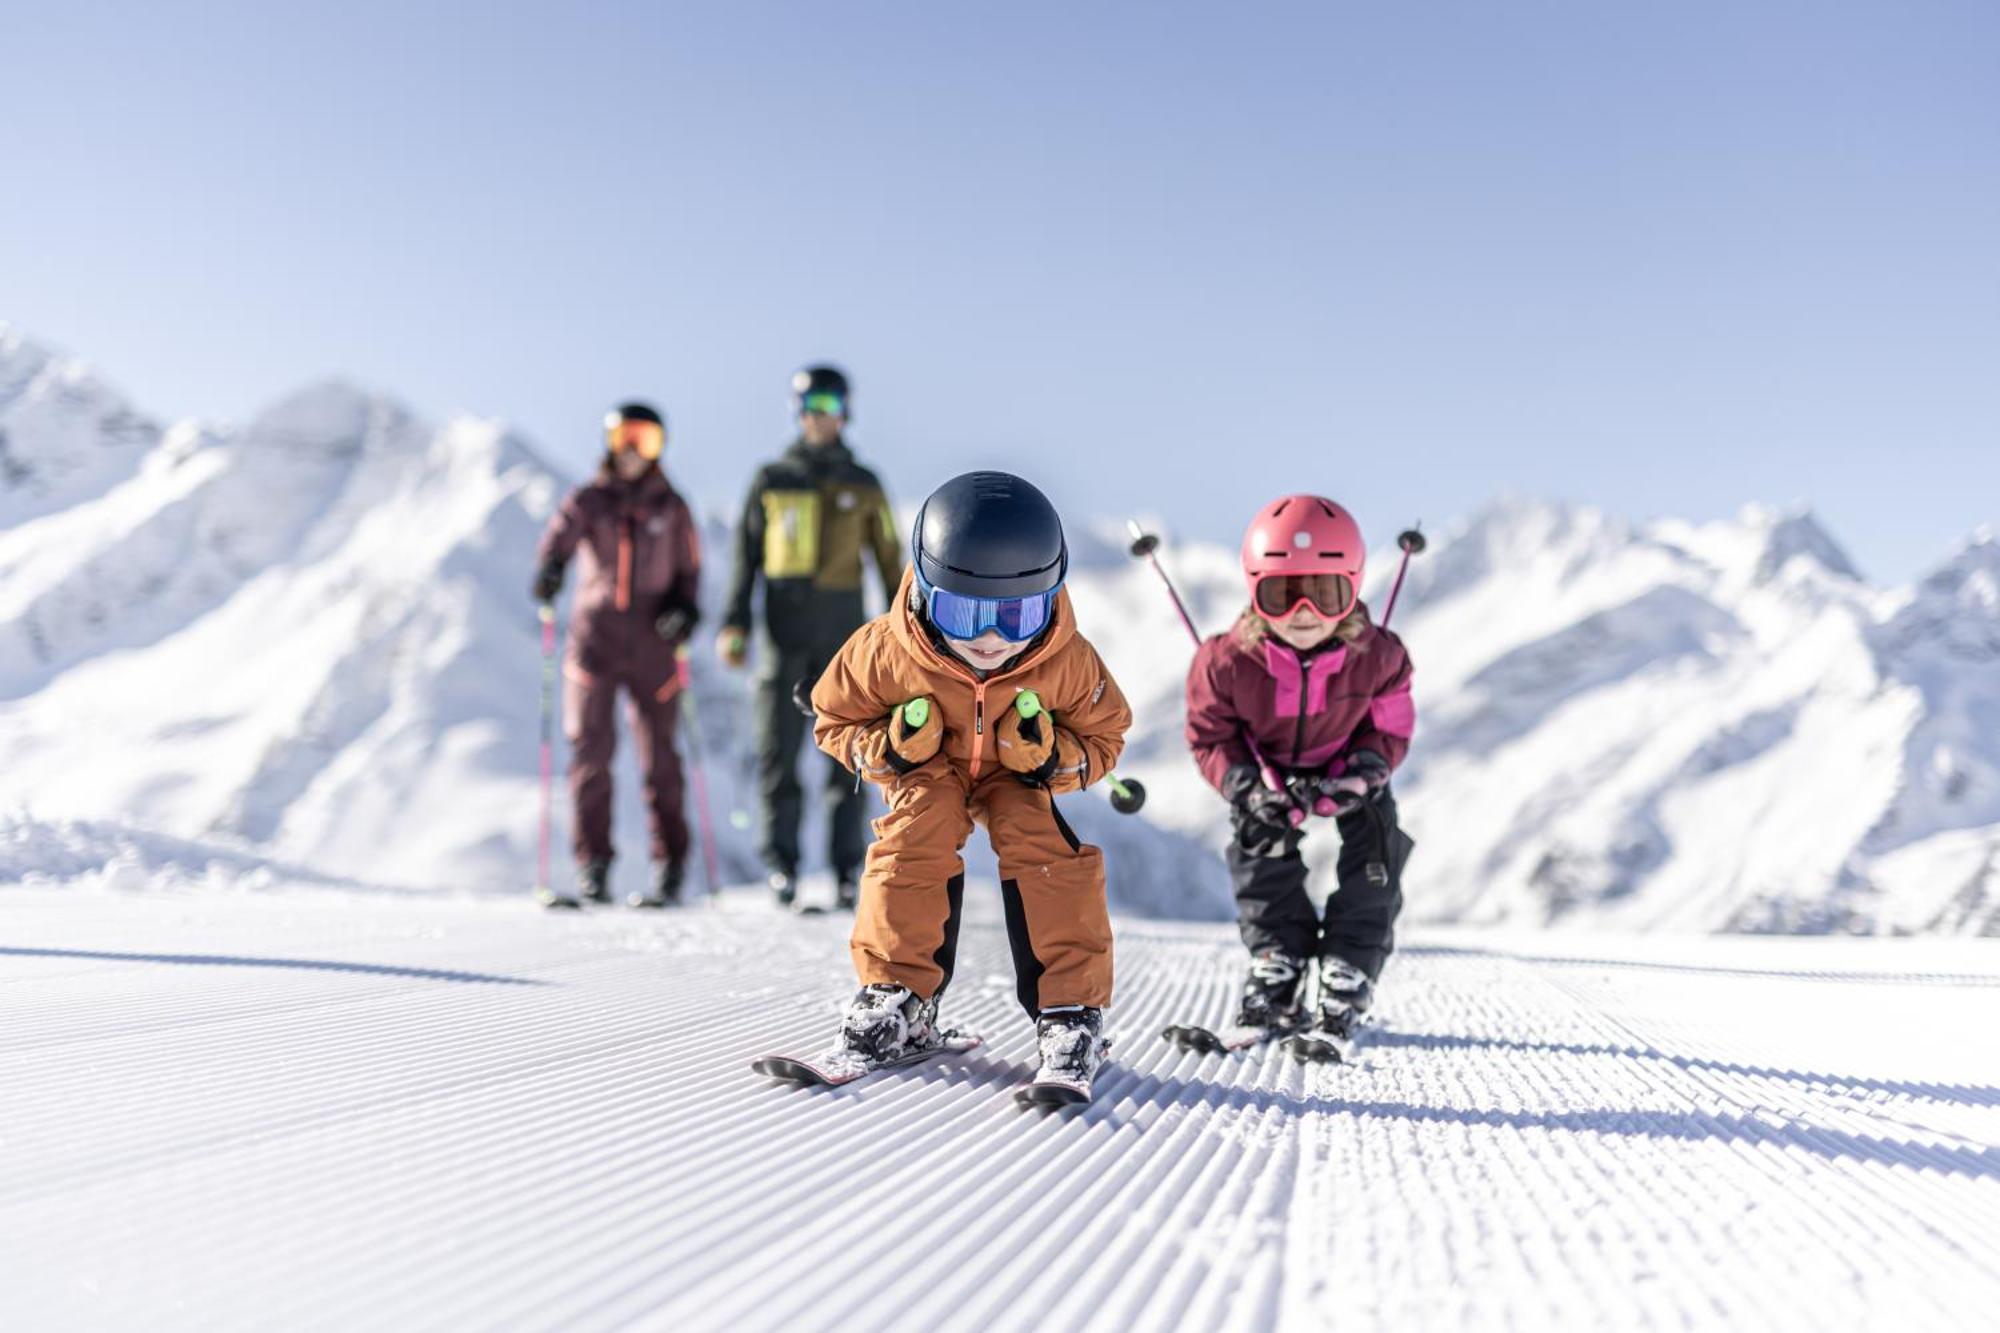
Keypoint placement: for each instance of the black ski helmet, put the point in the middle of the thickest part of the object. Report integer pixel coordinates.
(989, 534)
(625, 412)
(821, 379)
(633, 411)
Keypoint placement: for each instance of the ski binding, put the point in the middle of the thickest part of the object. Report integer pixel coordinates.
(838, 1065)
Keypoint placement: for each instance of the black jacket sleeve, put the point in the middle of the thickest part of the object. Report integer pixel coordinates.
(749, 559)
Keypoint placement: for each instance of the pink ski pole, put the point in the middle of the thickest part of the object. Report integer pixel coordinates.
(1411, 540)
(685, 674)
(1413, 543)
(544, 892)
(1146, 546)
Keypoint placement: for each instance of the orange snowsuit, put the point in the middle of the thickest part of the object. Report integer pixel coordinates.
(1052, 884)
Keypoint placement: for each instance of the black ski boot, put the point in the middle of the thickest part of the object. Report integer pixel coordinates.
(593, 881)
(666, 887)
(847, 888)
(784, 887)
(1345, 993)
(885, 1021)
(1271, 991)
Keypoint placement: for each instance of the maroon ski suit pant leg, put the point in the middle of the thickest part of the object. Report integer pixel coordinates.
(590, 712)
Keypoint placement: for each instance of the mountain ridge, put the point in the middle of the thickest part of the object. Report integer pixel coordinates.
(308, 635)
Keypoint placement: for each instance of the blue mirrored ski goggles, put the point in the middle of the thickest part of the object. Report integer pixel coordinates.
(1017, 619)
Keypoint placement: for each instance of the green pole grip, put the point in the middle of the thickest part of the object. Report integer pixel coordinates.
(915, 713)
(1027, 703)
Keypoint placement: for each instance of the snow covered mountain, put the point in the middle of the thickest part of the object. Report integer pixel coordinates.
(306, 642)
(1669, 725)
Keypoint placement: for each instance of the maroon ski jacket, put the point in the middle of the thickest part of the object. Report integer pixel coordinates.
(641, 555)
(1306, 711)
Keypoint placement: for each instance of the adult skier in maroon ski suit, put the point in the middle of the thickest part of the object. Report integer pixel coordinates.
(635, 606)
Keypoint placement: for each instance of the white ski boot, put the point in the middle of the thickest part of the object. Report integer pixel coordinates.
(1068, 1039)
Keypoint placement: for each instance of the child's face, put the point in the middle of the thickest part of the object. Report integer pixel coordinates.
(984, 653)
(1303, 628)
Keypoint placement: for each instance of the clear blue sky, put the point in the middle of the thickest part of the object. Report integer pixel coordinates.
(1664, 257)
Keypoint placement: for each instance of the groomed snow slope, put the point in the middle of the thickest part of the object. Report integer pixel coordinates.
(321, 1110)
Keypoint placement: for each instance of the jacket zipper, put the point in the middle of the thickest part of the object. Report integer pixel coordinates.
(625, 564)
(978, 724)
(1299, 735)
(978, 698)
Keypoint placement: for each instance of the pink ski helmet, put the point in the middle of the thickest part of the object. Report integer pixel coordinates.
(1303, 548)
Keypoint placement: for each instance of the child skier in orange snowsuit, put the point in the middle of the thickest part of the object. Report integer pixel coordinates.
(974, 699)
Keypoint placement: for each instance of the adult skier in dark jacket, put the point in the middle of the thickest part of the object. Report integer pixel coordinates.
(635, 605)
(808, 518)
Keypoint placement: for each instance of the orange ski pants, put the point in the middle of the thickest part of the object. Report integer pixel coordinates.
(913, 889)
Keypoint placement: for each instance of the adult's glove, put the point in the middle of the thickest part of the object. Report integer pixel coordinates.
(677, 620)
(732, 646)
(907, 740)
(1034, 749)
(548, 580)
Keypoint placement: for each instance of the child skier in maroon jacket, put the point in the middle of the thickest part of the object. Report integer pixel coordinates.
(1306, 690)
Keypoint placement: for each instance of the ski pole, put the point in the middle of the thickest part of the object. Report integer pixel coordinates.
(544, 893)
(1145, 546)
(1128, 795)
(1413, 543)
(685, 674)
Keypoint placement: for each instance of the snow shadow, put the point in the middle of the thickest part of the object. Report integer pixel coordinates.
(1694, 1126)
(1139, 1090)
(304, 964)
(1957, 1094)
(1951, 979)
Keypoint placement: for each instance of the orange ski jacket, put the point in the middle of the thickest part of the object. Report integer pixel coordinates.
(891, 660)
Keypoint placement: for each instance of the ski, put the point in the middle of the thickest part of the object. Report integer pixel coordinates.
(1054, 1091)
(1227, 1041)
(832, 1068)
(1325, 1046)
(1310, 1048)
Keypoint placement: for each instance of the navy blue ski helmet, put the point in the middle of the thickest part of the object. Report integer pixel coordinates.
(989, 534)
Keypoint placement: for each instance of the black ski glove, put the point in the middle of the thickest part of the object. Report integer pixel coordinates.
(1261, 814)
(548, 582)
(1370, 767)
(677, 620)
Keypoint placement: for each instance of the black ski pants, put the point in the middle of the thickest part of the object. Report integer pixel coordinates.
(1274, 911)
(782, 728)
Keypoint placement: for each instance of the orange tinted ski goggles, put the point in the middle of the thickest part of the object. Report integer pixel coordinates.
(648, 438)
(1278, 595)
